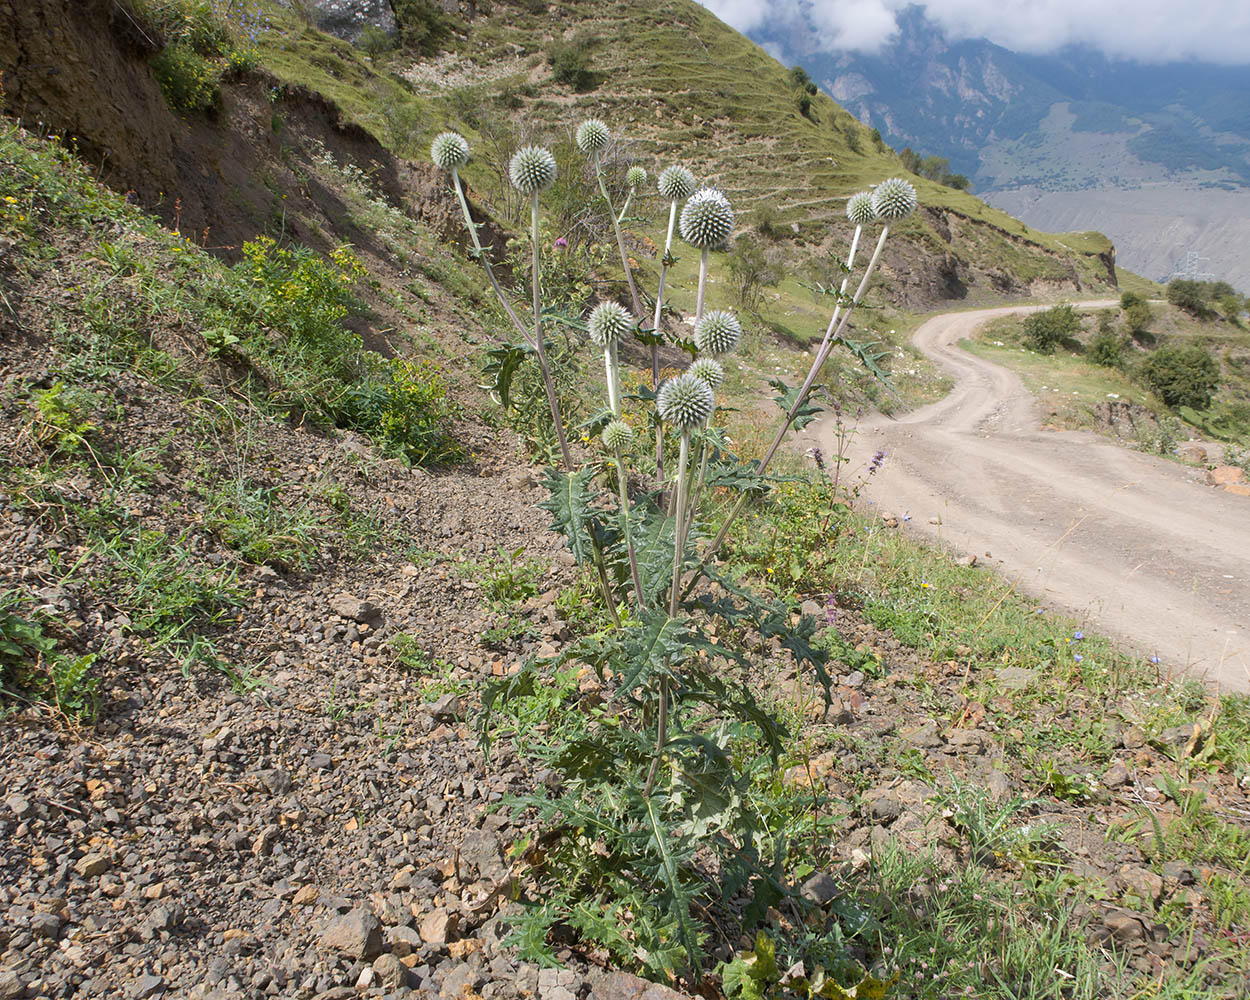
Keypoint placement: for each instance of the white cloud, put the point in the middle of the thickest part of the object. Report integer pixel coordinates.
(1147, 30)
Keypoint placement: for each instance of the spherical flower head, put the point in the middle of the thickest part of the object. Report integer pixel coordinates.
(859, 208)
(676, 183)
(608, 323)
(685, 401)
(717, 333)
(635, 177)
(707, 221)
(617, 435)
(894, 199)
(532, 169)
(450, 150)
(710, 370)
(593, 136)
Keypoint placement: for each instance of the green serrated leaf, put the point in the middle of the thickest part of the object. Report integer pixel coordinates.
(569, 503)
(502, 368)
(787, 398)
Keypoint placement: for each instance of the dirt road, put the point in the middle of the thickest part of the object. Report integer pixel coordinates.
(1132, 543)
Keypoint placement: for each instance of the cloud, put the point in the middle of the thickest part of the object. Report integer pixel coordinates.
(1146, 30)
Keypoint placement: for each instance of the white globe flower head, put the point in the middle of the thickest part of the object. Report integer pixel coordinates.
(532, 169)
(608, 323)
(685, 401)
(894, 199)
(618, 435)
(717, 333)
(859, 208)
(635, 177)
(675, 183)
(593, 136)
(449, 150)
(707, 220)
(710, 370)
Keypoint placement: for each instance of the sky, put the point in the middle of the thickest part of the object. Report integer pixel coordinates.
(1145, 30)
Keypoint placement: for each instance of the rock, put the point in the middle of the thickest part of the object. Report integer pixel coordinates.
(447, 708)
(855, 679)
(1238, 489)
(999, 786)
(1015, 678)
(480, 850)
(11, 987)
(1191, 452)
(275, 780)
(354, 608)
(968, 560)
(972, 740)
(623, 986)
(925, 736)
(438, 927)
(306, 896)
(91, 865)
(404, 940)
(1225, 474)
(888, 519)
(819, 889)
(464, 978)
(357, 934)
(811, 608)
(149, 986)
(19, 804)
(1116, 776)
(1144, 884)
(45, 925)
(390, 971)
(1124, 926)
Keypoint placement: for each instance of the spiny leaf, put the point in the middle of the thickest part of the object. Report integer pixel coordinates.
(787, 398)
(681, 896)
(868, 356)
(569, 504)
(501, 368)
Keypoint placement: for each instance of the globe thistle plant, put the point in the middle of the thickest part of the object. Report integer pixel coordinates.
(593, 136)
(894, 200)
(710, 371)
(707, 222)
(635, 177)
(685, 402)
(676, 183)
(859, 208)
(718, 333)
(449, 150)
(532, 169)
(618, 435)
(607, 324)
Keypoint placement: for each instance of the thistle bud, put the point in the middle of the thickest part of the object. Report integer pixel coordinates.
(717, 333)
(532, 169)
(710, 371)
(707, 220)
(894, 199)
(685, 401)
(449, 150)
(608, 323)
(617, 435)
(635, 177)
(859, 208)
(676, 183)
(593, 136)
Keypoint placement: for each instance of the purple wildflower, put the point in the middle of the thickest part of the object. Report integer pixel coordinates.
(878, 459)
(1078, 635)
(1078, 657)
(561, 242)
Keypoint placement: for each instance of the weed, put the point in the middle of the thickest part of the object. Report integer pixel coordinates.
(31, 664)
(258, 523)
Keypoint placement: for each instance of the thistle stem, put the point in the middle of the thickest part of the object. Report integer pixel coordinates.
(655, 351)
(609, 365)
(622, 482)
(674, 598)
(549, 386)
(481, 255)
(698, 306)
(620, 241)
(625, 208)
(821, 357)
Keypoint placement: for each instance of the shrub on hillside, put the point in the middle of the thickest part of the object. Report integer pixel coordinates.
(1130, 299)
(1107, 348)
(570, 64)
(423, 25)
(1188, 295)
(1182, 376)
(1138, 317)
(1044, 331)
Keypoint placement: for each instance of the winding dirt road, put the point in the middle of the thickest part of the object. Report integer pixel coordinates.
(1132, 543)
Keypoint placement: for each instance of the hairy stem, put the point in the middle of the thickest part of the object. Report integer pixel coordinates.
(698, 306)
(655, 350)
(609, 367)
(625, 208)
(553, 401)
(821, 357)
(622, 482)
(620, 241)
(481, 255)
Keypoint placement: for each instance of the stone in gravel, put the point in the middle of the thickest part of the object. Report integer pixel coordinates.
(999, 786)
(357, 934)
(91, 865)
(45, 925)
(1116, 776)
(390, 971)
(404, 940)
(447, 708)
(461, 978)
(11, 986)
(925, 736)
(1124, 926)
(1015, 678)
(623, 986)
(149, 986)
(276, 780)
(819, 889)
(480, 850)
(306, 896)
(19, 804)
(438, 927)
(320, 762)
(354, 608)
(810, 607)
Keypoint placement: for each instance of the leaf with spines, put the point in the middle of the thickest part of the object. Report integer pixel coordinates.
(788, 396)
(570, 503)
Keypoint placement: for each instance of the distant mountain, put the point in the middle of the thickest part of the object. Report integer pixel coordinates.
(1156, 156)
